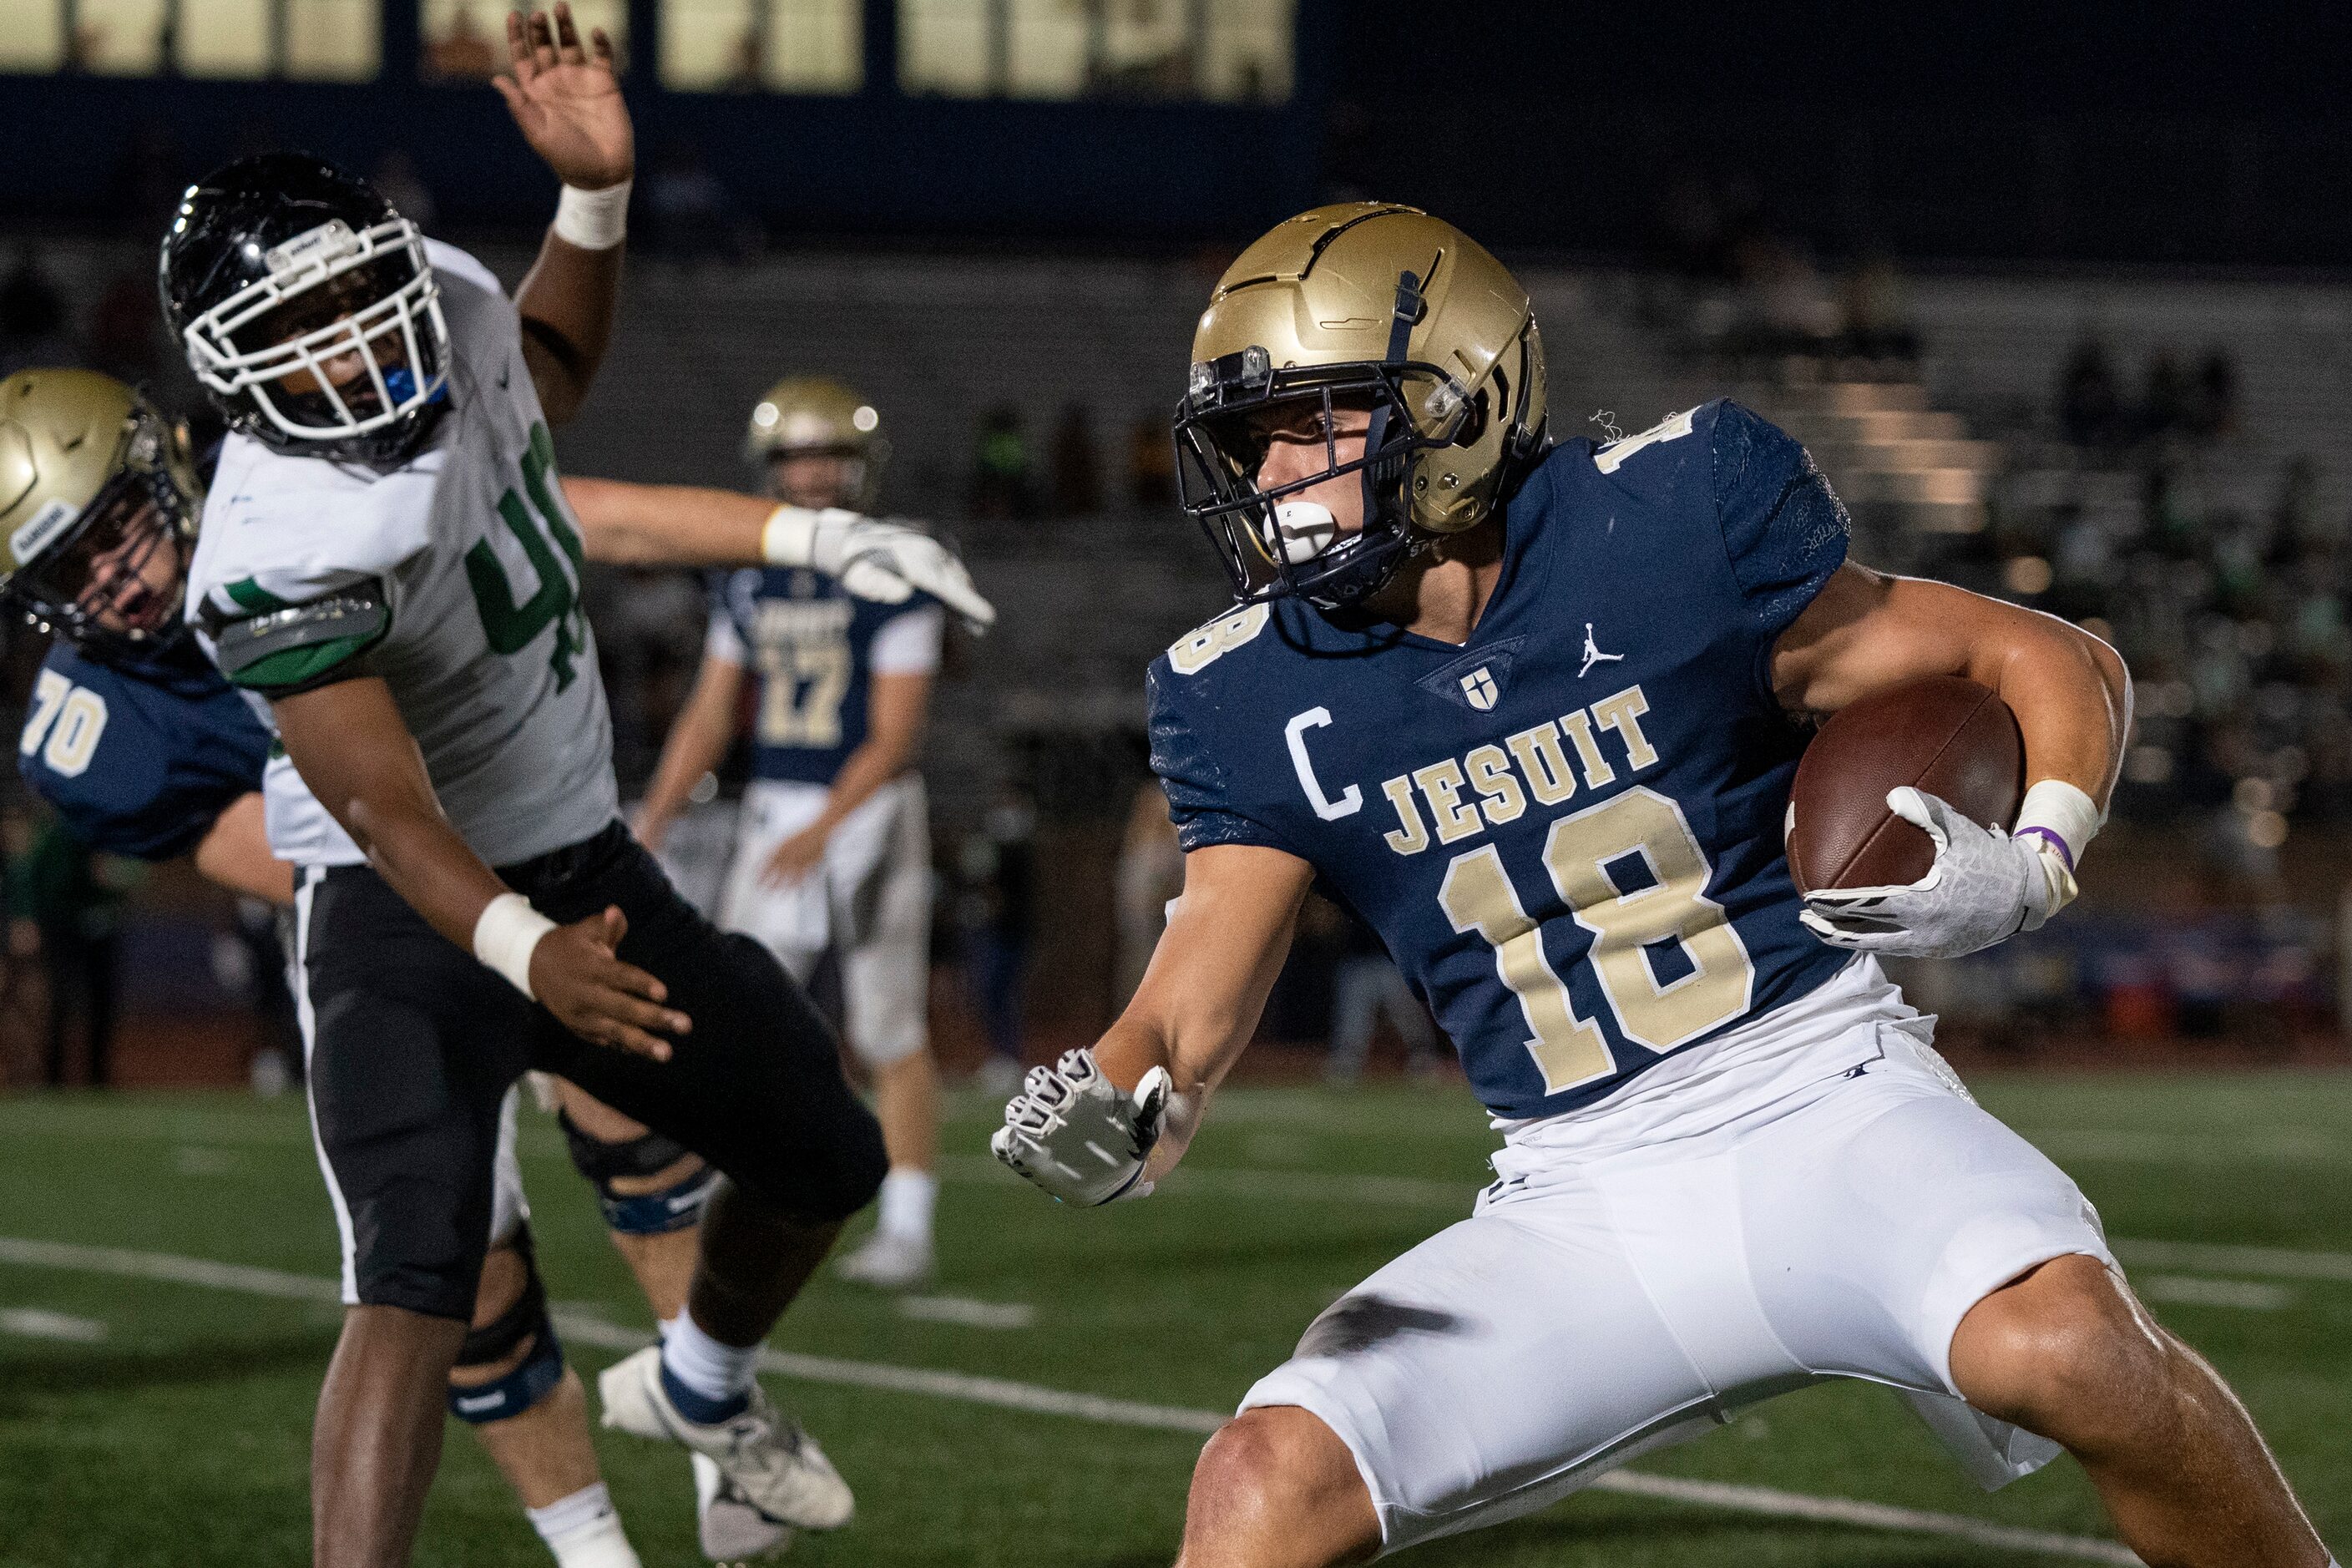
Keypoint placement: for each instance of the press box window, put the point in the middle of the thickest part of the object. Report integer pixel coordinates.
(763, 46)
(466, 41)
(317, 40)
(1234, 51)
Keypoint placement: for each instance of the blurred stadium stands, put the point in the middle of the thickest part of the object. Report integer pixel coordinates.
(2102, 408)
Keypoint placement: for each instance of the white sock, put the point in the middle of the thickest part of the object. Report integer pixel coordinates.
(584, 1531)
(909, 1196)
(664, 1327)
(718, 1372)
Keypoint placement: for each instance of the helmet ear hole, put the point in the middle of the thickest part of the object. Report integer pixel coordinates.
(1474, 423)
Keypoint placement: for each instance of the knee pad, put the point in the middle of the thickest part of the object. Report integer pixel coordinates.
(673, 1208)
(533, 1378)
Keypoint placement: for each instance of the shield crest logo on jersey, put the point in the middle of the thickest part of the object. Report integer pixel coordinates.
(1479, 679)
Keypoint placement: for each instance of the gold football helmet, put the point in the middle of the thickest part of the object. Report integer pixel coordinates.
(93, 482)
(1360, 302)
(815, 414)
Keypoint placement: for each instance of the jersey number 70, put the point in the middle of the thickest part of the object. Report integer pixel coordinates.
(1671, 909)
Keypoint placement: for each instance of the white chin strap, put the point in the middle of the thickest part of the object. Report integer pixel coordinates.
(1303, 531)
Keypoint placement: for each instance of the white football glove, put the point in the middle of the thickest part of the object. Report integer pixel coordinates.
(887, 563)
(1074, 1133)
(1985, 887)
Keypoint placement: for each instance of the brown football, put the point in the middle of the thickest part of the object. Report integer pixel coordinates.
(1948, 736)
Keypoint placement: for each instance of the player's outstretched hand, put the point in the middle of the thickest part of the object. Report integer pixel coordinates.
(567, 99)
(1984, 887)
(1074, 1133)
(577, 974)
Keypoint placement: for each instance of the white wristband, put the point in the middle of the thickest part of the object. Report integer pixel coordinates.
(2062, 816)
(593, 220)
(506, 933)
(789, 537)
(796, 536)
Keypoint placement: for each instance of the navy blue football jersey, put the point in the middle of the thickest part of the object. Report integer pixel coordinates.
(1567, 831)
(815, 649)
(140, 759)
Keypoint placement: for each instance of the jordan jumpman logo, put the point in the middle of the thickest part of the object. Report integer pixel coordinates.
(1592, 654)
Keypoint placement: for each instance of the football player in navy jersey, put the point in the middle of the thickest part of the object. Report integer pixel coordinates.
(1532, 710)
(833, 849)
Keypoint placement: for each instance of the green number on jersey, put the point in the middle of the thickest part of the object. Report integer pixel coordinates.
(511, 626)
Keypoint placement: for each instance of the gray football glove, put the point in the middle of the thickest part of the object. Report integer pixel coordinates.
(1077, 1135)
(887, 563)
(1984, 887)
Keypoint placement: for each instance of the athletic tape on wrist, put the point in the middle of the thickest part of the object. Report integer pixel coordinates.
(789, 537)
(593, 220)
(506, 933)
(2060, 816)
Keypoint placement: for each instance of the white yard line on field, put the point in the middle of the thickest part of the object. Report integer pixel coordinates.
(1003, 1393)
(965, 1312)
(33, 1323)
(2189, 1290)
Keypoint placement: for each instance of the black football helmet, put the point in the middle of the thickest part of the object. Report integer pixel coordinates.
(307, 309)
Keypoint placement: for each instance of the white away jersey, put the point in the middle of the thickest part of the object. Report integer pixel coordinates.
(455, 577)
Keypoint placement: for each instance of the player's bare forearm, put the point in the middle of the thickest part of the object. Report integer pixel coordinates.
(667, 525)
(567, 302)
(1205, 990)
(696, 742)
(1867, 631)
(897, 707)
(352, 747)
(235, 852)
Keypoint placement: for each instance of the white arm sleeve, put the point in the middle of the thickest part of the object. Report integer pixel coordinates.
(909, 644)
(724, 642)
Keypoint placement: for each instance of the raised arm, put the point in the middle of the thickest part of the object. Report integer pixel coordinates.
(687, 525)
(1867, 631)
(350, 744)
(1084, 1140)
(567, 101)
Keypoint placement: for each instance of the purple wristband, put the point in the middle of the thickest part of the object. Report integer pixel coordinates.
(2050, 837)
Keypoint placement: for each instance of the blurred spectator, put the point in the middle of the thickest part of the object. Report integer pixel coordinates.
(396, 177)
(1367, 987)
(126, 330)
(1001, 487)
(2213, 412)
(1150, 875)
(1076, 468)
(462, 51)
(1877, 320)
(1150, 462)
(997, 912)
(2090, 402)
(145, 187)
(73, 897)
(689, 215)
(2164, 404)
(33, 327)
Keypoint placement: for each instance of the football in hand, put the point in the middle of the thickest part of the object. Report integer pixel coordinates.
(1948, 736)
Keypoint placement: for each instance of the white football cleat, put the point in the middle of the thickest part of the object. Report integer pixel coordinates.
(732, 1531)
(778, 1468)
(888, 1262)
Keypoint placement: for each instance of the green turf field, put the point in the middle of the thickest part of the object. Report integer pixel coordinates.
(147, 1420)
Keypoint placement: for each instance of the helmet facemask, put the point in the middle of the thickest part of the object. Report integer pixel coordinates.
(332, 297)
(1271, 550)
(114, 581)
